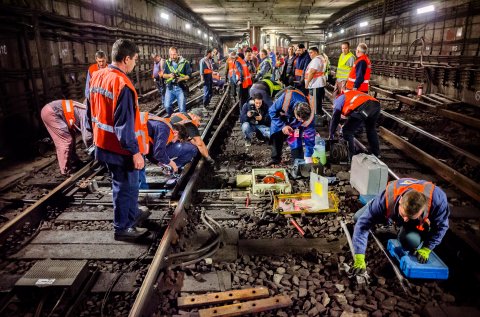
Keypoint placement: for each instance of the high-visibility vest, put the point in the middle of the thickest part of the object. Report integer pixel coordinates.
(67, 106)
(208, 69)
(105, 87)
(399, 187)
(272, 85)
(353, 75)
(171, 134)
(216, 76)
(353, 100)
(181, 65)
(287, 101)
(268, 74)
(247, 79)
(231, 67)
(144, 138)
(92, 69)
(321, 73)
(182, 118)
(342, 68)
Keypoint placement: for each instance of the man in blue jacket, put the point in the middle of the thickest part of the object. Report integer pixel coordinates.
(301, 65)
(292, 119)
(419, 207)
(254, 119)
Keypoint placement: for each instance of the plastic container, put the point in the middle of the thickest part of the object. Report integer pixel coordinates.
(368, 174)
(434, 269)
(280, 200)
(319, 149)
(260, 188)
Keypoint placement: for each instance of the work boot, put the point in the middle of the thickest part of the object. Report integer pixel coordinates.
(144, 214)
(129, 234)
(248, 143)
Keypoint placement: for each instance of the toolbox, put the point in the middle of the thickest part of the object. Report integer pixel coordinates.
(368, 174)
(409, 265)
(286, 204)
(281, 186)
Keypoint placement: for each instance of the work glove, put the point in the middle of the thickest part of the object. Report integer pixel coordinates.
(210, 160)
(423, 254)
(359, 266)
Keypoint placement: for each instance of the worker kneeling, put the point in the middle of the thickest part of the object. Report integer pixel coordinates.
(166, 146)
(359, 108)
(292, 119)
(255, 120)
(419, 207)
(63, 118)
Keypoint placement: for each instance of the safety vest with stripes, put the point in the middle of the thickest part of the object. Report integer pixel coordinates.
(353, 75)
(207, 70)
(397, 188)
(287, 103)
(272, 85)
(247, 79)
(268, 74)
(178, 71)
(182, 118)
(231, 68)
(353, 100)
(342, 68)
(171, 134)
(105, 87)
(67, 106)
(92, 69)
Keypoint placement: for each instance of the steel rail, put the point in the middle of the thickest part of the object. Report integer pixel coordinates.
(142, 302)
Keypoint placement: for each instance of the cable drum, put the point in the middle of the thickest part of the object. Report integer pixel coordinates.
(339, 152)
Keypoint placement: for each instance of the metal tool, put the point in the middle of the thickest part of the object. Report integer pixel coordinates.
(362, 280)
(404, 283)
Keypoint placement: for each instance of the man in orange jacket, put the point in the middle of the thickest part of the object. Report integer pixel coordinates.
(101, 62)
(118, 136)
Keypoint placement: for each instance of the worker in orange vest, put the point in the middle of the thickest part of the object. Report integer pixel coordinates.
(359, 76)
(63, 118)
(119, 136)
(101, 62)
(206, 71)
(231, 74)
(244, 79)
(359, 108)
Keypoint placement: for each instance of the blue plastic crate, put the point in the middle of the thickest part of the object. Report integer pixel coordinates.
(409, 265)
(364, 199)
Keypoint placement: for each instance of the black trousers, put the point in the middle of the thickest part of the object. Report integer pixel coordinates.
(316, 99)
(243, 95)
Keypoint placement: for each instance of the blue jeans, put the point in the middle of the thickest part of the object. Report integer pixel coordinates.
(408, 235)
(142, 179)
(125, 196)
(174, 91)
(207, 89)
(181, 152)
(248, 129)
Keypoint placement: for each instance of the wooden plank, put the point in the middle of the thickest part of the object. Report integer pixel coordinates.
(288, 246)
(76, 237)
(461, 118)
(222, 297)
(102, 215)
(250, 307)
(81, 251)
(462, 182)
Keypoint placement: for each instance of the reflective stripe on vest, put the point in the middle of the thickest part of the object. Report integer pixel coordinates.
(353, 100)
(180, 65)
(342, 68)
(287, 101)
(106, 85)
(268, 74)
(318, 74)
(353, 75)
(183, 118)
(272, 85)
(298, 72)
(67, 106)
(167, 122)
(397, 188)
(142, 134)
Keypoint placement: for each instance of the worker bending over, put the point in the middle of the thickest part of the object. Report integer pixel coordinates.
(420, 209)
(63, 118)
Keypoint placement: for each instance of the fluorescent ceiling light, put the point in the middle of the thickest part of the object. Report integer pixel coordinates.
(199, 32)
(205, 35)
(342, 31)
(188, 26)
(211, 38)
(164, 16)
(426, 9)
(362, 24)
(330, 34)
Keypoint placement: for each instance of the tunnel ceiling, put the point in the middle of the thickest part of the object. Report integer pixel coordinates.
(301, 20)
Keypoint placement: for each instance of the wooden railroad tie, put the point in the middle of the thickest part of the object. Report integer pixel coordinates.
(250, 307)
(222, 297)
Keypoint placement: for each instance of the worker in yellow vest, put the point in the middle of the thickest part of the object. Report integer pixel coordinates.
(345, 64)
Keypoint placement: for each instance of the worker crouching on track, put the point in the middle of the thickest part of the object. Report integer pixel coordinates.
(63, 118)
(359, 108)
(191, 122)
(166, 146)
(292, 119)
(120, 142)
(419, 207)
(254, 119)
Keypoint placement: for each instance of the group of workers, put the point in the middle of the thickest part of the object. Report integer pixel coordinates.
(123, 136)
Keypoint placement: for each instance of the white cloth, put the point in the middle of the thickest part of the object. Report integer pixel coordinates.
(318, 64)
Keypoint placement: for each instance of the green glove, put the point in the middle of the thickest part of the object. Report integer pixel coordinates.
(423, 254)
(359, 266)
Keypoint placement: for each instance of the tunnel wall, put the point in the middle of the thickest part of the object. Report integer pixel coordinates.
(46, 47)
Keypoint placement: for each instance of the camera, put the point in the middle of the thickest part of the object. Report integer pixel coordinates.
(252, 113)
(175, 79)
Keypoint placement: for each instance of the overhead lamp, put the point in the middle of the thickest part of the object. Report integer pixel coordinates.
(330, 34)
(205, 35)
(211, 38)
(164, 16)
(426, 9)
(362, 24)
(188, 26)
(199, 32)
(342, 31)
